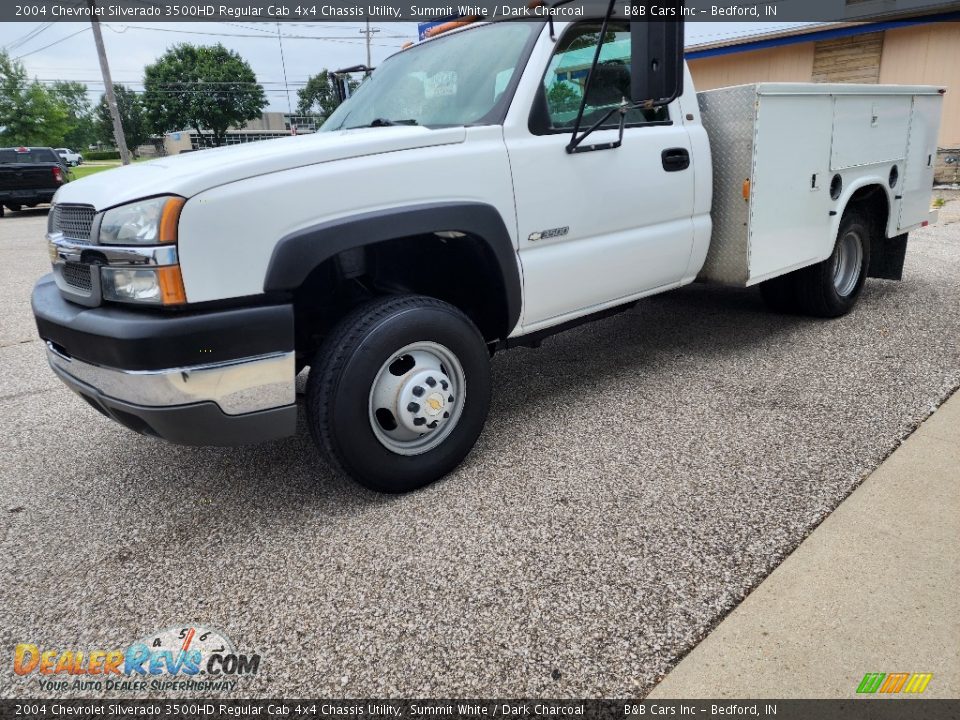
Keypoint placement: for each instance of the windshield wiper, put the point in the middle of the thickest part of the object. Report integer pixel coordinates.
(384, 122)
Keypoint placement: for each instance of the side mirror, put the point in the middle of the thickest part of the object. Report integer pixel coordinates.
(656, 66)
(341, 85)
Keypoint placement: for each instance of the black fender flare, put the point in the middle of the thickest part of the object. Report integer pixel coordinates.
(296, 255)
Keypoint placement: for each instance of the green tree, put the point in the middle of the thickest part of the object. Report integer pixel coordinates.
(204, 88)
(564, 97)
(75, 100)
(319, 96)
(29, 112)
(133, 117)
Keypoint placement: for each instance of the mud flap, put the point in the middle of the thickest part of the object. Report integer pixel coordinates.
(887, 257)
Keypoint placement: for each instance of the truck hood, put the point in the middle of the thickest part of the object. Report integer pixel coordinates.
(192, 173)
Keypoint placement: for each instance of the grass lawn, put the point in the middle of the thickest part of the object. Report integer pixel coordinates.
(92, 167)
(81, 171)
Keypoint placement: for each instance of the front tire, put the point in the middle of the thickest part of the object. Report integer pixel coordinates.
(399, 392)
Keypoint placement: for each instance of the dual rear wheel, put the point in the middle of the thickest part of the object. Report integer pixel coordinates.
(830, 288)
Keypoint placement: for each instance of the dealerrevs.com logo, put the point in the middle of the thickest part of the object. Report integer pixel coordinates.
(178, 658)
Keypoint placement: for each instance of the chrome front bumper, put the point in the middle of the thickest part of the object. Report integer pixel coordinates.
(236, 387)
(240, 402)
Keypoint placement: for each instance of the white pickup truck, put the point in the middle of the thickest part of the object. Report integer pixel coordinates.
(482, 189)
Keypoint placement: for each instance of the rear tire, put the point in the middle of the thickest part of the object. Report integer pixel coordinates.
(399, 392)
(831, 288)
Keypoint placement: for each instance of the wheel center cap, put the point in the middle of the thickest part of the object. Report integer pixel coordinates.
(434, 404)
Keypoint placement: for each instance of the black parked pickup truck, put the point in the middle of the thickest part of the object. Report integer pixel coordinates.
(29, 176)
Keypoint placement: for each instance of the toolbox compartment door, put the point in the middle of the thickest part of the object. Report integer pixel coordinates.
(917, 182)
(790, 204)
(869, 130)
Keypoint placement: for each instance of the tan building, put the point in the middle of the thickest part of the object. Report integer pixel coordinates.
(269, 125)
(921, 50)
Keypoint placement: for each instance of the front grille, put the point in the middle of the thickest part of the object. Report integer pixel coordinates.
(78, 275)
(74, 221)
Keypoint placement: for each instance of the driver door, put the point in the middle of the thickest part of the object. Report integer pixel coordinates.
(601, 227)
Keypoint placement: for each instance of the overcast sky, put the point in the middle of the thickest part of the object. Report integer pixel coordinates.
(307, 48)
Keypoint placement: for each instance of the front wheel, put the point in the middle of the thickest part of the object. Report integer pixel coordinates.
(399, 392)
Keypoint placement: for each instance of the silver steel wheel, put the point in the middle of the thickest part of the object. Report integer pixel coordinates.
(417, 398)
(847, 263)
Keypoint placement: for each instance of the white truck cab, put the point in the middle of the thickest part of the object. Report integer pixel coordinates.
(482, 189)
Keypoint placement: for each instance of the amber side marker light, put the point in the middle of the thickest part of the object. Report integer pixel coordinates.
(169, 218)
(169, 278)
(746, 190)
(171, 285)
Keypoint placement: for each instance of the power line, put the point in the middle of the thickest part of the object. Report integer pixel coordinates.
(237, 87)
(180, 83)
(63, 39)
(283, 65)
(260, 37)
(21, 41)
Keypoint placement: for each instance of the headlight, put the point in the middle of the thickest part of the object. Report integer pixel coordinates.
(146, 222)
(154, 285)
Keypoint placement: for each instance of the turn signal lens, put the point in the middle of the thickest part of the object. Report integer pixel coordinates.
(746, 189)
(171, 285)
(169, 217)
(154, 286)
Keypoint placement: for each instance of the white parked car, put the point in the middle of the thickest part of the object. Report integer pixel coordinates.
(70, 157)
(471, 196)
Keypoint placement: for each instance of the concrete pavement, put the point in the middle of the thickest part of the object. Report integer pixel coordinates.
(873, 589)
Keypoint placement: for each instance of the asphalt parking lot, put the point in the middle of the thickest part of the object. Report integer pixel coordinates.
(637, 478)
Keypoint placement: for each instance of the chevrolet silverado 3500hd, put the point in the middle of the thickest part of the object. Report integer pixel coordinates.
(481, 189)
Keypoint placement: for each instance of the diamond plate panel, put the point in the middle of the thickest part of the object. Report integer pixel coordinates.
(729, 116)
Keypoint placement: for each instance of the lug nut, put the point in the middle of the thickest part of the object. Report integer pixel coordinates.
(432, 425)
(413, 407)
(444, 384)
(446, 415)
(418, 391)
(450, 399)
(431, 382)
(419, 421)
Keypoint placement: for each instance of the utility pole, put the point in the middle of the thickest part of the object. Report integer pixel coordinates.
(118, 135)
(369, 33)
(283, 64)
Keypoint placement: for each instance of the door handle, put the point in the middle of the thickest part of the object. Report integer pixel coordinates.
(675, 159)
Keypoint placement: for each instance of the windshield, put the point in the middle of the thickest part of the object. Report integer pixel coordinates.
(459, 79)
